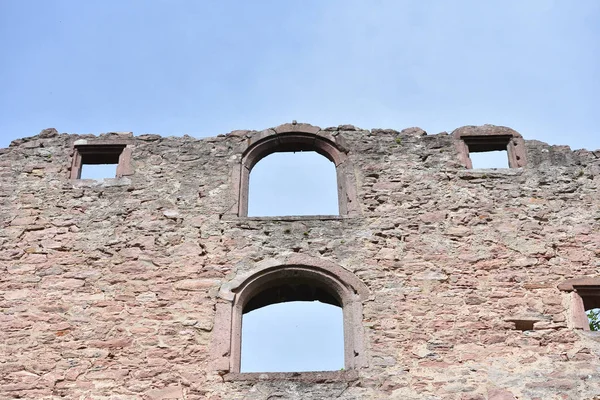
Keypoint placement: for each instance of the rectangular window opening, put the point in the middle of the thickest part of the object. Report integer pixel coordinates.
(98, 161)
(524, 325)
(488, 151)
(98, 171)
(590, 297)
(591, 304)
(489, 159)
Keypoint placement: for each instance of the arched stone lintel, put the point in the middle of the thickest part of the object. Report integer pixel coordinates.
(297, 127)
(343, 276)
(292, 141)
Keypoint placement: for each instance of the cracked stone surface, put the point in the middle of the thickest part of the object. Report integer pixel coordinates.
(108, 288)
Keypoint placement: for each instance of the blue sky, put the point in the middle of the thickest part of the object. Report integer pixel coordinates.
(208, 67)
(308, 186)
(293, 337)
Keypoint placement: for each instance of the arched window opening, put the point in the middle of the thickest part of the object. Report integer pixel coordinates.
(294, 140)
(293, 336)
(293, 183)
(304, 285)
(292, 324)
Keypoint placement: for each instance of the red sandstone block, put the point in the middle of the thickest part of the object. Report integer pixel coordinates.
(196, 284)
(170, 392)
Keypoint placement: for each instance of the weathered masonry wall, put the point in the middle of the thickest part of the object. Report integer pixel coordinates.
(119, 289)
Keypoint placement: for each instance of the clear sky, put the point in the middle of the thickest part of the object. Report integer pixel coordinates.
(208, 67)
(293, 337)
(302, 183)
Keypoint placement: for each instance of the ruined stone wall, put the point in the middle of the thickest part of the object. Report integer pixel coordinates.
(109, 290)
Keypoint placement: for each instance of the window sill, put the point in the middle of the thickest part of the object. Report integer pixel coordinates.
(106, 182)
(310, 377)
(484, 173)
(289, 218)
(594, 335)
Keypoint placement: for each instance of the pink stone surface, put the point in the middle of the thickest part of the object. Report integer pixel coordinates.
(124, 289)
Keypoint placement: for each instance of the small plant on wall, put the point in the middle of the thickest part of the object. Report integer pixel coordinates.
(594, 318)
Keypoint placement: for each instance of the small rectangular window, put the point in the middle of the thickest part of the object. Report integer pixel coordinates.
(98, 171)
(490, 146)
(100, 160)
(585, 302)
(488, 151)
(591, 305)
(489, 159)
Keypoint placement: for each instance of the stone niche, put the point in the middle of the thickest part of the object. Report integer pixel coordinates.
(455, 283)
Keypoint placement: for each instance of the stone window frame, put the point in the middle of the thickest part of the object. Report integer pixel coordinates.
(579, 289)
(289, 138)
(490, 138)
(233, 295)
(111, 150)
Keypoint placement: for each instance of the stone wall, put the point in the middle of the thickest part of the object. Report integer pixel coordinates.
(109, 289)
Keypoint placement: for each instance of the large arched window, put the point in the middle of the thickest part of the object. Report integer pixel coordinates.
(293, 326)
(299, 278)
(296, 138)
